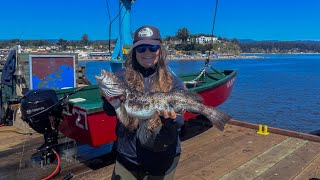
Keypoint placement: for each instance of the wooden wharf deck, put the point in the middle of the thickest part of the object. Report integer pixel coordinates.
(237, 153)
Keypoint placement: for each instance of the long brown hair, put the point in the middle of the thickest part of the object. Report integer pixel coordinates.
(161, 82)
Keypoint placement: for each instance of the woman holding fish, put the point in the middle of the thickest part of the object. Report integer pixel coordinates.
(147, 148)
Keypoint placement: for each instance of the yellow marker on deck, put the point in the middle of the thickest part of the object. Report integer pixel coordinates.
(263, 131)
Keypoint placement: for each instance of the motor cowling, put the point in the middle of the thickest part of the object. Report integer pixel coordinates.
(37, 106)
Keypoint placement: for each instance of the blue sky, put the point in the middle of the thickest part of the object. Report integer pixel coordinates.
(242, 19)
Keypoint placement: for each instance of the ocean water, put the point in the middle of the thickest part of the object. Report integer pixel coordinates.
(280, 91)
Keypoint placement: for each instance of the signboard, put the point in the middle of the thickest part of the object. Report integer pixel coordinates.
(52, 71)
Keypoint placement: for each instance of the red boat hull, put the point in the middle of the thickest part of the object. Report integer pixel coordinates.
(94, 129)
(215, 96)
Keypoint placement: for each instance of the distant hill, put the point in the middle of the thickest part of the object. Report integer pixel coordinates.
(309, 42)
(246, 40)
(280, 46)
(295, 41)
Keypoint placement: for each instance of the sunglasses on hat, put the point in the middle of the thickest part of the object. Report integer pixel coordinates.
(143, 48)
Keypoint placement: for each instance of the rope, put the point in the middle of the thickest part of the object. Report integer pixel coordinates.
(213, 25)
(202, 73)
(110, 23)
(23, 133)
(198, 77)
(214, 17)
(213, 69)
(170, 69)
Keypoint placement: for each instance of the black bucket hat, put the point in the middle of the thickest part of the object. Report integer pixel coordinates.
(147, 35)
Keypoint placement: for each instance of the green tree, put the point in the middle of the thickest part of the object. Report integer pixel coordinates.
(183, 34)
(235, 41)
(62, 43)
(85, 39)
(38, 43)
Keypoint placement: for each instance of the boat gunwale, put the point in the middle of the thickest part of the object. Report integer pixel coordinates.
(217, 83)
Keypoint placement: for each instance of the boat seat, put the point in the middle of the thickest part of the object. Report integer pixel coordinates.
(189, 84)
(212, 77)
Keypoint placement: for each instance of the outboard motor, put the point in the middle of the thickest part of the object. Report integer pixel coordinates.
(42, 110)
(36, 107)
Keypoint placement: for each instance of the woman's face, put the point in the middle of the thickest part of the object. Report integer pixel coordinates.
(147, 55)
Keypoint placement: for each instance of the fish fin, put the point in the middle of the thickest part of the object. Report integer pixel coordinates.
(194, 96)
(122, 115)
(218, 118)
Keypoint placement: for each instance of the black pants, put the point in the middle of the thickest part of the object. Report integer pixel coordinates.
(121, 173)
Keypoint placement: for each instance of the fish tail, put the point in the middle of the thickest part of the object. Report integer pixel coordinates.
(218, 118)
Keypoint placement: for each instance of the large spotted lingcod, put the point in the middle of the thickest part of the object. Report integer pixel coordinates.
(145, 105)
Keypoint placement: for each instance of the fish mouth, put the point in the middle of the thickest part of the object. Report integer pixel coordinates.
(109, 84)
(99, 78)
(104, 74)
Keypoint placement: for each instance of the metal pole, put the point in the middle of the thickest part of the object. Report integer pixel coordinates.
(124, 41)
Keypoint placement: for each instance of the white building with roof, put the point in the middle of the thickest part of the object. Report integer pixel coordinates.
(206, 40)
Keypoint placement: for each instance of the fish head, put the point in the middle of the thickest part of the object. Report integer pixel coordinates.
(109, 84)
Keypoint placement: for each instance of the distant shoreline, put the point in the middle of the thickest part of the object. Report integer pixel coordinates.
(242, 56)
(280, 53)
(191, 59)
(219, 58)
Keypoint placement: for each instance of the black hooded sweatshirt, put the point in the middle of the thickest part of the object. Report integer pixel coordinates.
(137, 152)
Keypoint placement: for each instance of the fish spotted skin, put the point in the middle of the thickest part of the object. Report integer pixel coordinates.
(146, 105)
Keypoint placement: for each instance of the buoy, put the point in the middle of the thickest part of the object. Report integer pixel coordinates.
(263, 130)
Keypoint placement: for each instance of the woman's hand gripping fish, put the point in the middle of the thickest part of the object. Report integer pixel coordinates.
(146, 105)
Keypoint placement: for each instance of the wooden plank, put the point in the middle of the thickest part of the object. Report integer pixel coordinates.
(193, 128)
(203, 135)
(97, 168)
(8, 132)
(208, 142)
(21, 164)
(293, 164)
(206, 155)
(311, 171)
(189, 177)
(16, 163)
(102, 173)
(209, 155)
(284, 132)
(10, 143)
(266, 160)
(31, 169)
(247, 150)
(18, 153)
